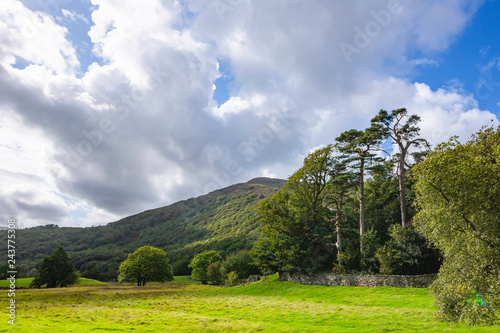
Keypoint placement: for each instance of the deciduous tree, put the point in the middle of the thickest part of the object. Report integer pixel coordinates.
(200, 264)
(458, 192)
(146, 264)
(296, 233)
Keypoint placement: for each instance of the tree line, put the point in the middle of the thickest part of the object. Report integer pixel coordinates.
(329, 215)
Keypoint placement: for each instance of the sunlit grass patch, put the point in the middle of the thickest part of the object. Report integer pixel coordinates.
(25, 282)
(269, 305)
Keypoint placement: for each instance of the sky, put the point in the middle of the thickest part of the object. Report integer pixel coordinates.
(112, 107)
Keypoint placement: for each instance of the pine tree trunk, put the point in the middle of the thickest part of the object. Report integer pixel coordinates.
(402, 191)
(362, 227)
(339, 239)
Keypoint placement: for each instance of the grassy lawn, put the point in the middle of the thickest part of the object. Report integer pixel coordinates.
(270, 305)
(26, 282)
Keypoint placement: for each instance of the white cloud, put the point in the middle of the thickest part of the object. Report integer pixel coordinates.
(73, 16)
(34, 37)
(140, 129)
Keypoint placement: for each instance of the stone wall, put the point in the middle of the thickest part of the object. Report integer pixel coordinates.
(353, 280)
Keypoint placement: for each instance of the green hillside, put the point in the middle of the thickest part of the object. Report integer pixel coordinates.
(225, 220)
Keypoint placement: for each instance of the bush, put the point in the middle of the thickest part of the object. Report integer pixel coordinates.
(241, 263)
(407, 253)
(214, 273)
(369, 262)
(232, 278)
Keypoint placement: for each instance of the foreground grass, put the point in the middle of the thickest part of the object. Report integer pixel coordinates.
(264, 306)
(26, 282)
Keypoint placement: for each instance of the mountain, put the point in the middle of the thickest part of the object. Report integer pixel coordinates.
(225, 220)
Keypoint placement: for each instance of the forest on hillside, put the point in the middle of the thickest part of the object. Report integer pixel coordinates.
(225, 220)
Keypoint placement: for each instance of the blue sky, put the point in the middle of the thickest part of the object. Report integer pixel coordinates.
(466, 61)
(112, 107)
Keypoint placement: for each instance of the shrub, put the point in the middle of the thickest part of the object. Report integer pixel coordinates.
(214, 273)
(407, 252)
(232, 278)
(241, 263)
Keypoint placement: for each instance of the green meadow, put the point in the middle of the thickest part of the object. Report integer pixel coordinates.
(184, 306)
(24, 283)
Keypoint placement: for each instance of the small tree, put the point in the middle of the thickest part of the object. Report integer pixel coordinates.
(214, 273)
(3, 271)
(242, 263)
(55, 270)
(146, 264)
(200, 264)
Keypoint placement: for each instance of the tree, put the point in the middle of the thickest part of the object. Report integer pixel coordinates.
(458, 193)
(362, 144)
(215, 273)
(200, 264)
(382, 200)
(407, 253)
(146, 264)
(340, 184)
(404, 135)
(3, 271)
(241, 263)
(55, 270)
(296, 233)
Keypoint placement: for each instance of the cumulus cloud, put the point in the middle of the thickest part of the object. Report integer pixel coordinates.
(140, 128)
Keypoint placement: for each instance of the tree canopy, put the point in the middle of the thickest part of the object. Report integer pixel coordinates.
(297, 232)
(146, 264)
(458, 193)
(403, 130)
(55, 270)
(200, 264)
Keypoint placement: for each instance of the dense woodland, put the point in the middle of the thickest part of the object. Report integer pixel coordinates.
(350, 206)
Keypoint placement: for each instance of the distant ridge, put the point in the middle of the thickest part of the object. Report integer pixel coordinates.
(225, 220)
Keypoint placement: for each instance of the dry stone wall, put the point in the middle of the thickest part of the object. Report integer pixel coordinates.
(353, 280)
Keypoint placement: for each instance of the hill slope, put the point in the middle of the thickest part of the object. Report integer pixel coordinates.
(225, 220)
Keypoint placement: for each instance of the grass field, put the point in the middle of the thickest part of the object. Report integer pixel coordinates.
(26, 282)
(184, 306)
